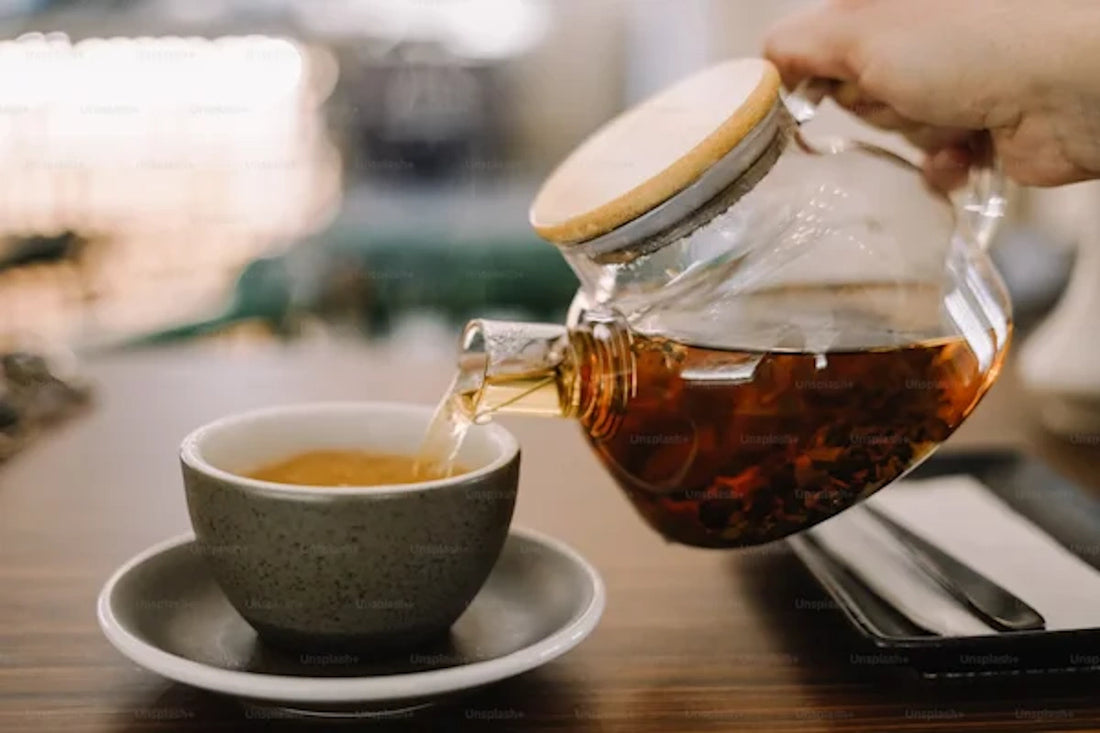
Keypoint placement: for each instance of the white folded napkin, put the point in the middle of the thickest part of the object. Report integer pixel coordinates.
(964, 518)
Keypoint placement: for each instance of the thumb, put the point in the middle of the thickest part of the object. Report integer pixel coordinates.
(813, 43)
(948, 169)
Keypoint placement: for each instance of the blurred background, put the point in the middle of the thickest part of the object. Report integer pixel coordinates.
(248, 172)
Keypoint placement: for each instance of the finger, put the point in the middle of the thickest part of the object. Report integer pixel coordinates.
(850, 97)
(814, 43)
(926, 137)
(933, 139)
(948, 169)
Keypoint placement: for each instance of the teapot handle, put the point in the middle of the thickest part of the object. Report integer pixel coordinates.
(985, 199)
(804, 99)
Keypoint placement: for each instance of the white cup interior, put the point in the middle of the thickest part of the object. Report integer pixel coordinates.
(242, 443)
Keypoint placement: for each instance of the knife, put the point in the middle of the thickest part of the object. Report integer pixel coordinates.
(983, 597)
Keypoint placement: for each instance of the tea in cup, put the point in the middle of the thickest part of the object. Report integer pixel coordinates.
(321, 534)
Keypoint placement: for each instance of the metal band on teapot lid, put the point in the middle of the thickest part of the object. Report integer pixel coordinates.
(664, 146)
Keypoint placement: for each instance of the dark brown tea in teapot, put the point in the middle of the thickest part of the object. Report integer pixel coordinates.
(721, 463)
(769, 326)
(734, 447)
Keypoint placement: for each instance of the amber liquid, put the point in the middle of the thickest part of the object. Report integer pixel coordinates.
(325, 468)
(735, 447)
(730, 448)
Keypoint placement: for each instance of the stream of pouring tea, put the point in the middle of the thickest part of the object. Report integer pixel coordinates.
(443, 440)
(464, 406)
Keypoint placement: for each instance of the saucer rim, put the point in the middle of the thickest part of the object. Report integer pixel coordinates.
(336, 690)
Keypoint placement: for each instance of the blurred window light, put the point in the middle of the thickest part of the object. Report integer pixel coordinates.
(479, 30)
(489, 29)
(180, 159)
(388, 21)
(158, 132)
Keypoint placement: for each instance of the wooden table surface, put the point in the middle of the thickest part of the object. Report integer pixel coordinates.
(691, 640)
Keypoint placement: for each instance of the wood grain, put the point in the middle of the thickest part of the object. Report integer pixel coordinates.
(692, 640)
(654, 150)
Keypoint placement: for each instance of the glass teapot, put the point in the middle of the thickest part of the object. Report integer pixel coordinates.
(768, 328)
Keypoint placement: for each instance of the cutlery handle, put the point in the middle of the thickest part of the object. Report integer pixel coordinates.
(987, 599)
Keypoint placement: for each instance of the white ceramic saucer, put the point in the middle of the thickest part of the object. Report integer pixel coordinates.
(164, 611)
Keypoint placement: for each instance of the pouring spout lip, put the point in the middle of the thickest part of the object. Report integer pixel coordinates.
(473, 359)
(492, 352)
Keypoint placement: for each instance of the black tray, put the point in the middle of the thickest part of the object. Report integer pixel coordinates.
(1036, 491)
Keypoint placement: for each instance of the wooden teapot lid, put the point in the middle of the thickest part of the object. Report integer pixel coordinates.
(653, 151)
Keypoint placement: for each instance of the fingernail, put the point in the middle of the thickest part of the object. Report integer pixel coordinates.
(951, 159)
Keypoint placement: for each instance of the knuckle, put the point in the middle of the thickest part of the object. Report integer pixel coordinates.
(876, 69)
(783, 36)
(774, 45)
(1026, 173)
(860, 51)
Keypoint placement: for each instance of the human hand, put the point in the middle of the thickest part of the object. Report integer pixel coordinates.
(949, 74)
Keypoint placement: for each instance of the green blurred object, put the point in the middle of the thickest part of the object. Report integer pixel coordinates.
(461, 249)
(457, 252)
(263, 291)
(462, 280)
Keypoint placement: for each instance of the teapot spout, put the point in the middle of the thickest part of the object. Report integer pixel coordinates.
(513, 367)
(547, 370)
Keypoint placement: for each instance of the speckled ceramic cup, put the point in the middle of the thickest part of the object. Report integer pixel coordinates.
(376, 569)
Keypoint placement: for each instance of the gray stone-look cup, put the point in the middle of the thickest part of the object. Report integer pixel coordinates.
(374, 569)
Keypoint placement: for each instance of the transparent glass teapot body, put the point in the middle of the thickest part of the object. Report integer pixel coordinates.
(836, 246)
(749, 359)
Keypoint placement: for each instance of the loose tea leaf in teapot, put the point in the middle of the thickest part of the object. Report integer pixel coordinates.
(726, 447)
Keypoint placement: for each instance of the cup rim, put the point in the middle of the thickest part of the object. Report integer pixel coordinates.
(190, 451)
